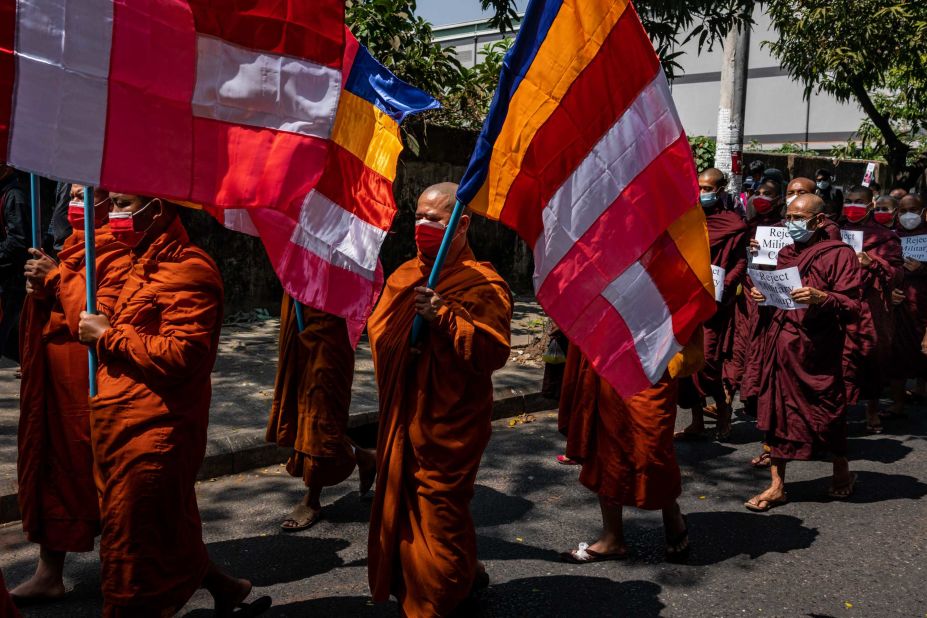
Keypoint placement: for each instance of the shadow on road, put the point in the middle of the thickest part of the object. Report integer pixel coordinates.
(717, 536)
(294, 557)
(882, 450)
(870, 487)
(572, 595)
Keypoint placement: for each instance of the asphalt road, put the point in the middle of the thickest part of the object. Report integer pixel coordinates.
(812, 557)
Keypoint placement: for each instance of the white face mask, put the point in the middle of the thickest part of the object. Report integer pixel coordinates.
(799, 231)
(910, 220)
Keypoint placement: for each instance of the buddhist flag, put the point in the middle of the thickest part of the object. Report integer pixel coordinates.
(584, 156)
(325, 249)
(229, 104)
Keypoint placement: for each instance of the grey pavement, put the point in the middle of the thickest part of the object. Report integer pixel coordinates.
(812, 557)
(243, 382)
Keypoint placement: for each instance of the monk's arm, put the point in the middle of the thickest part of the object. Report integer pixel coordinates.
(188, 320)
(888, 265)
(479, 335)
(845, 275)
(738, 271)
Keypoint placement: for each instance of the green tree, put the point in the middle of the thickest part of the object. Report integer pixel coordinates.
(872, 52)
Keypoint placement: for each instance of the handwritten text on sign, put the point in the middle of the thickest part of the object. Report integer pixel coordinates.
(915, 247)
(854, 238)
(776, 286)
(771, 240)
(717, 276)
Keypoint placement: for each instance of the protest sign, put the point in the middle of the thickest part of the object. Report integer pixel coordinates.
(915, 247)
(771, 240)
(854, 238)
(717, 276)
(776, 286)
(870, 172)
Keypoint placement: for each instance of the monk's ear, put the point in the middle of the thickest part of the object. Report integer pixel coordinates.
(464, 224)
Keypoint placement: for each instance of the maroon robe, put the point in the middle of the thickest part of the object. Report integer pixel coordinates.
(910, 319)
(728, 237)
(736, 376)
(802, 399)
(867, 355)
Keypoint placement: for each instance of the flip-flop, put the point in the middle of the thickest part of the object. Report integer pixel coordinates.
(750, 505)
(710, 410)
(303, 517)
(254, 608)
(583, 555)
(566, 461)
(689, 436)
(851, 484)
(763, 460)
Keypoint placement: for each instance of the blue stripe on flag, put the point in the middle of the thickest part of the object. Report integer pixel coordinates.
(372, 81)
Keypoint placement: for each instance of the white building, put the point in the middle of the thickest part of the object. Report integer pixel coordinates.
(776, 110)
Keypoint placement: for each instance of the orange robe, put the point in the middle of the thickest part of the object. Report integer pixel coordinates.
(312, 396)
(625, 446)
(148, 425)
(57, 494)
(435, 422)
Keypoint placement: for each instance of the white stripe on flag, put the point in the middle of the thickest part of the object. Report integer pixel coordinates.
(337, 236)
(61, 92)
(647, 128)
(643, 309)
(238, 220)
(258, 89)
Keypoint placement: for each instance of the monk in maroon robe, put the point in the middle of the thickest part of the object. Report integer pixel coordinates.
(728, 237)
(802, 398)
(867, 356)
(909, 347)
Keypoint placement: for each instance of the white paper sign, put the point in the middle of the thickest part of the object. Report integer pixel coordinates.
(717, 275)
(854, 238)
(870, 172)
(776, 286)
(771, 240)
(915, 247)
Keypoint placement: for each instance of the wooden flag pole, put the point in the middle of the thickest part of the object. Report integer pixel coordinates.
(90, 263)
(35, 203)
(419, 324)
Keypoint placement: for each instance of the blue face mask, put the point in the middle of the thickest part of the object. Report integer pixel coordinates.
(798, 230)
(709, 200)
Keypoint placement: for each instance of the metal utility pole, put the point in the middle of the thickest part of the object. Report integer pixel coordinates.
(732, 108)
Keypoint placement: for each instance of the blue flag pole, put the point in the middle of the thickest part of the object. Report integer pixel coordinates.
(419, 324)
(90, 263)
(35, 203)
(300, 320)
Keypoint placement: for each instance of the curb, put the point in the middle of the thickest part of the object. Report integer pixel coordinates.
(247, 450)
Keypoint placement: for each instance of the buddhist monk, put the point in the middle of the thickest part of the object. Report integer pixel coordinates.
(435, 416)
(626, 451)
(148, 420)
(312, 400)
(802, 398)
(909, 349)
(868, 354)
(728, 237)
(57, 495)
(764, 209)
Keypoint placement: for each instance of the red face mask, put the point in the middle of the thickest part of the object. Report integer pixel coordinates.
(885, 218)
(128, 228)
(428, 237)
(76, 215)
(762, 204)
(855, 212)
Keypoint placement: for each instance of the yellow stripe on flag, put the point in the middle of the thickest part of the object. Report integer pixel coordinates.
(690, 235)
(368, 133)
(575, 37)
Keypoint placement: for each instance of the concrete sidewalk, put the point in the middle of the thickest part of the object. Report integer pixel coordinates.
(243, 382)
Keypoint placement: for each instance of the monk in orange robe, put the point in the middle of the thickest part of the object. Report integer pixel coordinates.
(435, 416)
(57, 495)
(148, 420)
(626, 450)
(312, 401)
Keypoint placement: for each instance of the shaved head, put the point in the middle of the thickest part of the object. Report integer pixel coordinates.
(442, 195)
(712, 177)
(911, 202)
(886, 200)
(898, 193)
(801, 185)
(808, 204)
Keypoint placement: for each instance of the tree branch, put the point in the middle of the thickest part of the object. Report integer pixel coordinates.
(882, 123)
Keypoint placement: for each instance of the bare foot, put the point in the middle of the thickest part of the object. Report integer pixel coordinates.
(228, 592)
(608, 549)
(367, 469)
(769, 499)
(38, 588)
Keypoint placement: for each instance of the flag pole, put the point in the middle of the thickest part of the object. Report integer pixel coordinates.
(35, 204)
(419, 324)
(300, 321)
(90, 263)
